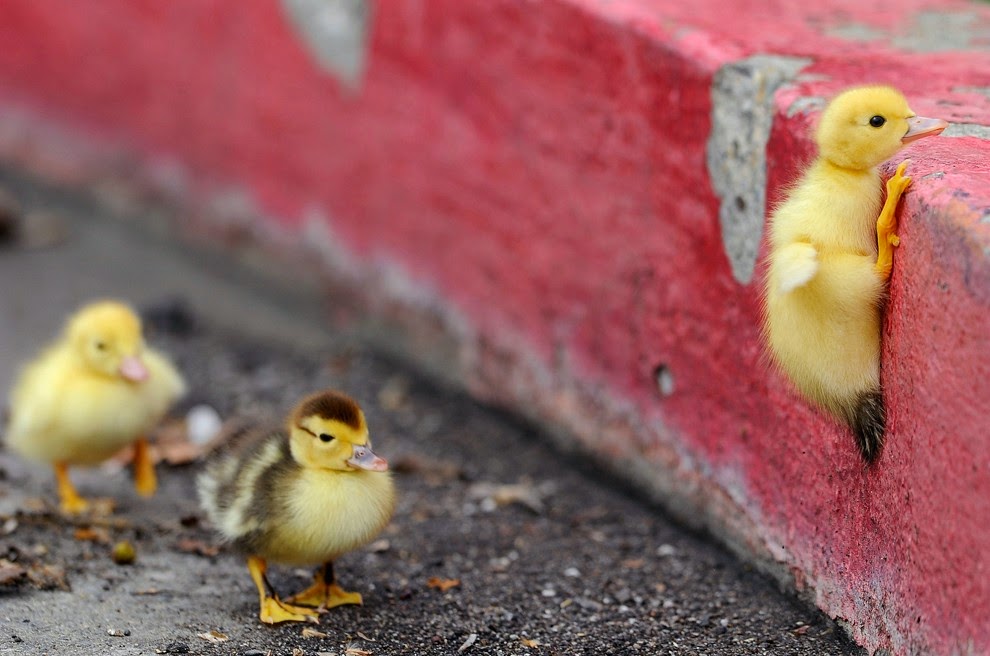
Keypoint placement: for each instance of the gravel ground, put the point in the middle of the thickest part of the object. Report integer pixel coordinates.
(500, 545)
(541, 557)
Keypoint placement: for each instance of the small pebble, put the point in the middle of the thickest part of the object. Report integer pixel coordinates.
(123, 553)
(572, 572)
(202, 424)
(588, 604)
(665, 550)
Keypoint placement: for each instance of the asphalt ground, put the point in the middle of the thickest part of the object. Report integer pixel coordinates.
(499, 545)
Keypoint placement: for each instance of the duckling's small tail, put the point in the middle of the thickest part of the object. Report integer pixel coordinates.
(868, 420)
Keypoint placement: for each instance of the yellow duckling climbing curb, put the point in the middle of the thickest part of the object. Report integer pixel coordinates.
(831, 253)
(93, 392)
(300, 496)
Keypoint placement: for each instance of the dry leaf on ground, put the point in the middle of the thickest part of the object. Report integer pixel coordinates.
(198, 547)
(312, 633)
(471, 639)
(213, 636)
(92, 534)
(40, 576)
(11, 574)
(47, 577)
(357, 651)
(524, 493)
(442, 584)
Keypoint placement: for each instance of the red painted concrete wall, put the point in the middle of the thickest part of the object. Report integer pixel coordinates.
(540, 168)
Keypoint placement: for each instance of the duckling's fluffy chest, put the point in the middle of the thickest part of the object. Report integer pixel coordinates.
(330, 513)
(87, 419)
(834, 210)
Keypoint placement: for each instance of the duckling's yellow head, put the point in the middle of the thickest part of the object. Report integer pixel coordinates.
(864, 126)
(327, 430)
(107, 337)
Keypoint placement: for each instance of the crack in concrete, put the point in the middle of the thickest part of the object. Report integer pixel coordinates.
(742, 115)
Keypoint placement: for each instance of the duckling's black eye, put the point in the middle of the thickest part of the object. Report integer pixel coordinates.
(101, 346)
(877, 121)
(326, 438)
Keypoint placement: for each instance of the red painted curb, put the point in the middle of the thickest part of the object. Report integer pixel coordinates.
(540, 169)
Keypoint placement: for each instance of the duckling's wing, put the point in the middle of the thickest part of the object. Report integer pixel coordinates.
(34, 397)
(242, 487)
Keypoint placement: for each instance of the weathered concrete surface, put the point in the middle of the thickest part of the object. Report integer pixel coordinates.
(527, 184)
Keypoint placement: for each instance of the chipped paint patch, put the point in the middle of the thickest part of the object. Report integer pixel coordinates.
(928, 31)
(806, 105)
(856, 32)
(980, 91)
(335, 32)
(742, 115)
(940, 31)
(967, 130)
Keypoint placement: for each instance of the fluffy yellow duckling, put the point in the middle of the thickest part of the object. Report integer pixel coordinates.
(831, 256)
(94, 391)
(300, 496)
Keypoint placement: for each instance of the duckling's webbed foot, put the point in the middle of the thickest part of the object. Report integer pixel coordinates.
(325, 593)
(274, 610)
(887, 238)
(145, 481)
(69, 500)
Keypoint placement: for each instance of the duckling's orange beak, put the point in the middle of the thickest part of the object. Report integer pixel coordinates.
(920, 127)
(132, 369)
(365, 458)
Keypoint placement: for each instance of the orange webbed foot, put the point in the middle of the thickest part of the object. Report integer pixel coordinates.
(887, 238)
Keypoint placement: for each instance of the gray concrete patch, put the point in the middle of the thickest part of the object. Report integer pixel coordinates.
(927, 31)
(742, 115)
(806, 105)
(967, 130)
(940, 31)
(335, 32)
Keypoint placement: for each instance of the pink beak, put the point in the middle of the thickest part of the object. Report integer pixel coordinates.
(920, 127)
(365, 458)
(132, 369)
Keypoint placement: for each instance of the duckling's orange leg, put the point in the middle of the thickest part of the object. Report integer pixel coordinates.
(887, 222)
(273, 610)
(145, 481)
(70, 501)
(325, 593)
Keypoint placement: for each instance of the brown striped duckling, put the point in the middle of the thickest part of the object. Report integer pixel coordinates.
(300, 496)
(93, 392)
